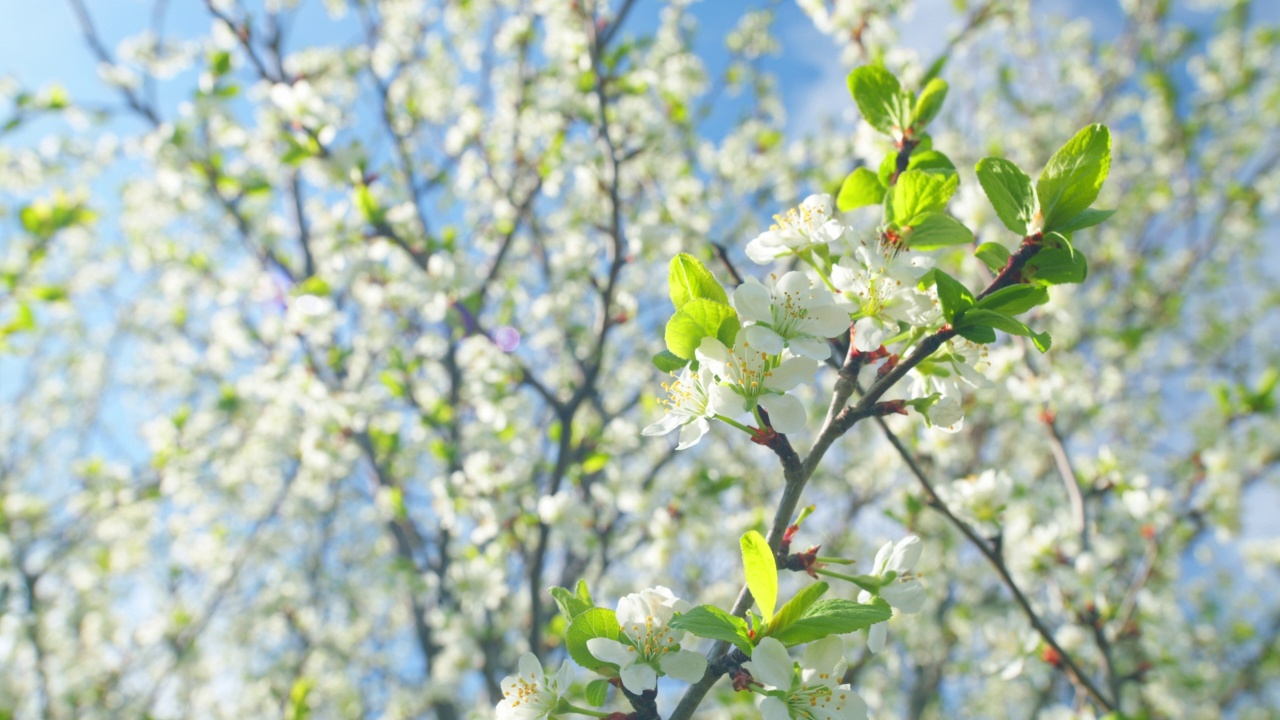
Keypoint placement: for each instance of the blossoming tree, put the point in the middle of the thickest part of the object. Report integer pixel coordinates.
(333, 369)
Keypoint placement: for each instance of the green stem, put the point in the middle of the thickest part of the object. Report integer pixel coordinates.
(735, 423)
(860, 581)
(835, 560)
(808, 258)
(756, 411)
(565, 707)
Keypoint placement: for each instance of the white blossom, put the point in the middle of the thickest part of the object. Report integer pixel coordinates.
(531, 694)
(802, 228)
(904, 592)
(810, 692)
(651, 647)
(794, 314)
(758, 377)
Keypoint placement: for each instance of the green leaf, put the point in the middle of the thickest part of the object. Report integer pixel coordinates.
(1057, 263)
(993, 255)
(1074, 175)
(709, 621)
(1010, 193)
(861, 188)
(928, 104)
(594, 623)
(917, 192)
(368, 205)
(689, 279)
(570, 604)
(834, 617)
(597, 692)
(955, 297)
(700, 318)
(1086, 219)
(796, 607)
(921, 159)
(935, 230)
(1016, 299)
(880, 98)
(982, 318)
(667, 361)
(762, 572)
(980, 334)
(299, 707)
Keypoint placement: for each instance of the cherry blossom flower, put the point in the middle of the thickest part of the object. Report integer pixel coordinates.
(812, 693)
(760, 378)
(794, 314)
(531, 694)
(802, 228)
(692, 397)
(904, 591)
(651, 648)
(881, 291)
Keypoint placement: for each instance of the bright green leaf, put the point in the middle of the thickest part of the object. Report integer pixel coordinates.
(688, 279)
(700, 318)
(667, 361)
(880, 98)
(709, 621)
(1016, 299)
(796, 607)
(928, 104)
(954, 297)
(1086, 219)
(594, 623)
(935, 230)
(993, 255)
(597, 692)
(917, 192)
(1074, 175)
(861, 188)
(762, 572)
(1057, 263)
(834, 617)
(1010, 193)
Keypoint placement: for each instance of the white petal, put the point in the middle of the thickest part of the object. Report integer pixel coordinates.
(823, 654)
(753, 301)
(819, 203)
(639, 677)
(764, 339)
(790, 373)
(830, 231)
(793, 283)
(771, 708)
(611, 651)
(764, 248)
(882, 556)
(632, 610)
(712, 353)
(529, 666)
(876, 635)
(668, 423)
(818, 350)
(564, 676)
(691, 433)
(786, 413)
(827, 321)
(722, 400)
(906, 596)
(854, 706)
(772, 665)
(868, 334)
(906, 553)
(684, 665)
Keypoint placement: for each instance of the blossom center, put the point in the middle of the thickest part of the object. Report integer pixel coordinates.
(652, 639)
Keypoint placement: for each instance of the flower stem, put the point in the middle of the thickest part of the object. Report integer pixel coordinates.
(567, 707)
(835, 560)
(808, 258)
(735, 423)
(861, 581)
